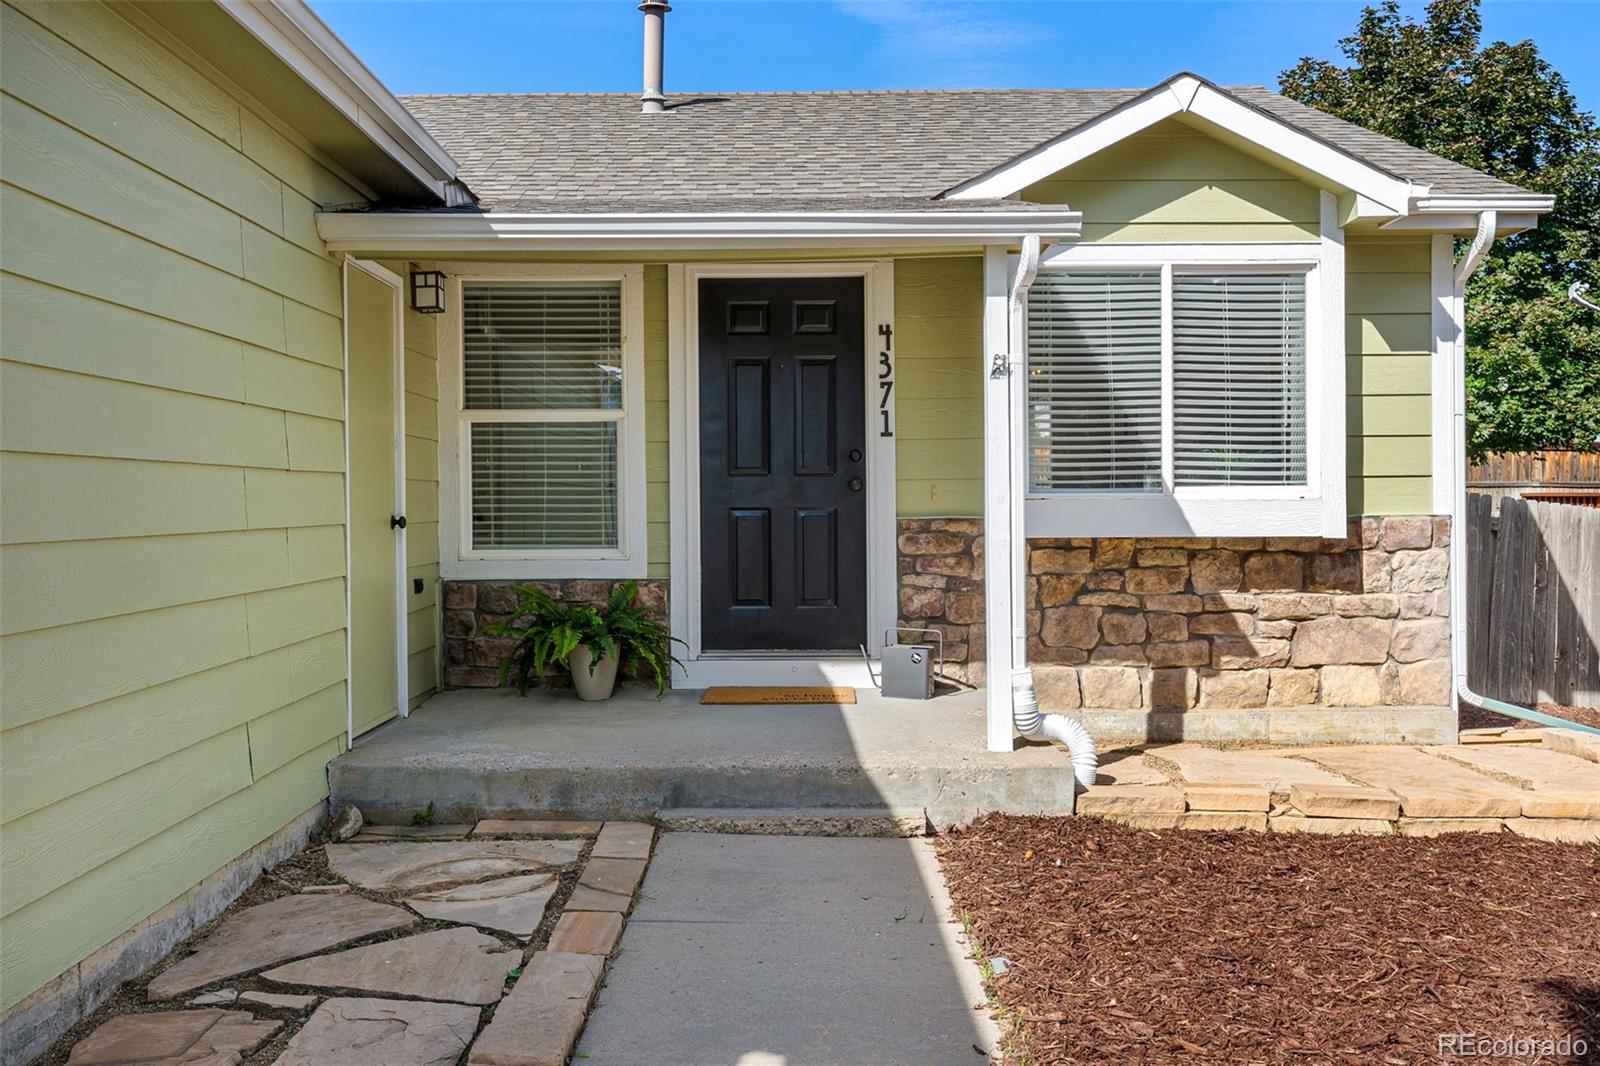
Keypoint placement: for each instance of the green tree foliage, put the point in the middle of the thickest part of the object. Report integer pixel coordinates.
(1533, 356)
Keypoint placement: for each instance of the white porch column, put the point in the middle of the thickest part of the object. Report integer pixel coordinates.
(1000, 529)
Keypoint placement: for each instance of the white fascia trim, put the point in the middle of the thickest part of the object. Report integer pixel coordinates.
(294, 33)
(1509, 202)
(413, 232)
(1188, 94)
(1462, 222)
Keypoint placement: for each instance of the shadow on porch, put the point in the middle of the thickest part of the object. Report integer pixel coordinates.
(489, 753)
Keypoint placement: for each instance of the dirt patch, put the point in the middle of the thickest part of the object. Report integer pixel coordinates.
(1478, 718)
(1138, 947)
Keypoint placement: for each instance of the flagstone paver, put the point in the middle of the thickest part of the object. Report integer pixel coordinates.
(1559, 786)
(460, 965)
(415, 867)
(514, 905)
(1130, 799)
(1585, 746)
(168, 1038)
(624, 840)
(1295, 823)
(1427, 787)
(275, 932)
(1557, 830)
(1433, 827)
(535, 827)
(1344, 801)
(281, 1000)
(1210, 766)
(607, 885)
(586, 933)
(382, 1032)
(372, 833)
(537, 1024)
(1251, 798)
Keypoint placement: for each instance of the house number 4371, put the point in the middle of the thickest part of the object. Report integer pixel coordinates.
(886, 381)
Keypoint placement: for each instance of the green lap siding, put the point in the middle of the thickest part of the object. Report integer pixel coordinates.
(171, 487)
(938, 311)
(1388, 375)
(1173, 183)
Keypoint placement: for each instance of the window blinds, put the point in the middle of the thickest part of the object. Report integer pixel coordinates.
(1094, 381)
(542, 398)
(1239, 379)
(542, 485)
(542, 346)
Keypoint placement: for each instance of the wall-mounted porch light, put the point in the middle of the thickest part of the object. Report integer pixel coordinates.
(427, 291)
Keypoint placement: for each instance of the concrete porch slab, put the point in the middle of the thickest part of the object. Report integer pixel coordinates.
(489, 754)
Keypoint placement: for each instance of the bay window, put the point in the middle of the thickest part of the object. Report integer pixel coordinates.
(1170, 389)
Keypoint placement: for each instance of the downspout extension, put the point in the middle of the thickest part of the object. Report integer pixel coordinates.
(1025, 713)
(1481, 241)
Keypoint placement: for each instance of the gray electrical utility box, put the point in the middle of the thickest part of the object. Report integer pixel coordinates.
(908, 671)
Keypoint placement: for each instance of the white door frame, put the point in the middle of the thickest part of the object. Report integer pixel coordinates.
(402, 642)
(700, 668)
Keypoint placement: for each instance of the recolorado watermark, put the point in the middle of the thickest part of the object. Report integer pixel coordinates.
(1479, 1046)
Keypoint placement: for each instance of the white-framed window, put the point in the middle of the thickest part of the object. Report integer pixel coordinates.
(542, 421)
(1166, 380)
(1184, 391)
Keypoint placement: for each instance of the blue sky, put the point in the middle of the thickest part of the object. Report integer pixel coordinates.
(593, 45)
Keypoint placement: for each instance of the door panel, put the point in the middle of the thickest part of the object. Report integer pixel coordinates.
(374, 677)
(783, 512)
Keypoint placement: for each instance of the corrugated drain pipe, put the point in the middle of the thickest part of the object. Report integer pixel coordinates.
(1468, 266)
(1024, 702)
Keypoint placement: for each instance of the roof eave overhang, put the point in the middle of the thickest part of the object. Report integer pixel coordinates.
(1514, 213)
(1374, 193)
(378, 231)
(294, 33)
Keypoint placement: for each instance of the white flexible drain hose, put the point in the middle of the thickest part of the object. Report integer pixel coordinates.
(1035, 726)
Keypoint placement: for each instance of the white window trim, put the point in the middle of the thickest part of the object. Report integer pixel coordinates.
(1314, 509)
(630, 558)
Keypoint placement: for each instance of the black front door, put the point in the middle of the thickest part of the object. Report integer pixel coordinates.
(783, 512)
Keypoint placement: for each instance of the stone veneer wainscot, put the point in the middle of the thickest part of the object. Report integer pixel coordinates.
(472, 659)
(1205, 623)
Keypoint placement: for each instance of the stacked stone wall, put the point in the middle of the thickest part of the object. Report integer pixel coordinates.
(472, 658)
(1205, 623)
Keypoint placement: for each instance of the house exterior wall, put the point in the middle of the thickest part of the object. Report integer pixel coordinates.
(424, 644)
(1172, 183)
(172, 634)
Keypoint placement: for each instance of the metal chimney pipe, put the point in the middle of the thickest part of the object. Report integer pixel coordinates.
(654, 101)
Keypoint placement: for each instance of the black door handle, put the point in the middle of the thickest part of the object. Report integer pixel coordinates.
(397, 521)
(855, 484)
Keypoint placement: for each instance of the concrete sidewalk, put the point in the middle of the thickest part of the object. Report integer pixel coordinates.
(790, 951)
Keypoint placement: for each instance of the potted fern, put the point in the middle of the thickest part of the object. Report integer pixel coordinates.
(592, 642)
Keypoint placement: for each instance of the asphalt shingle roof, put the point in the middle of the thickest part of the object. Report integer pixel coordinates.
(800, 151)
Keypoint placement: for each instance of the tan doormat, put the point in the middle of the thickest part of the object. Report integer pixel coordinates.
(779, 694)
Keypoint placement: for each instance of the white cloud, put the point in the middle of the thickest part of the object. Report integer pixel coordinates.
(942, 43)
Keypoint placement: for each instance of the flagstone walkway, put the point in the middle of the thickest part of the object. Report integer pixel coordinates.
(1540, 783)
(417, 944)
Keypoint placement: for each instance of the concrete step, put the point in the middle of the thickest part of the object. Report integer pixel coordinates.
(489, 755)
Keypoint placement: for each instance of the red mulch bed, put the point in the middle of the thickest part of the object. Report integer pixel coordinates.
(1138, 947)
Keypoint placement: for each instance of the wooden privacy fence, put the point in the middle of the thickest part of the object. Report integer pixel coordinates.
(1533, 601)
(1570, 477)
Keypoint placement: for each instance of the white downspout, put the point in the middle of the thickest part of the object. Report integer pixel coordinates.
(1464, 270)
(1024, 702)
